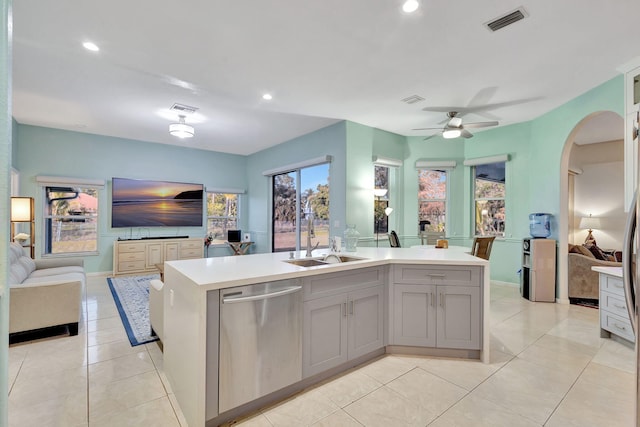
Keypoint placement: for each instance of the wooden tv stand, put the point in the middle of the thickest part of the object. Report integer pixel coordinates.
(141, 256)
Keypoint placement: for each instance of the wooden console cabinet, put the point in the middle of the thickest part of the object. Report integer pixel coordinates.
(141, 256)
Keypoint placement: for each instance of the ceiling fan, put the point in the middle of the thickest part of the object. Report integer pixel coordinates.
(454, 128)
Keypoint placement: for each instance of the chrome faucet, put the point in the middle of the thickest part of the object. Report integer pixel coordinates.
(309, 214)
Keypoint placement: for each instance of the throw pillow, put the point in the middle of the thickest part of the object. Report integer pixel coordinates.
(597, 253)
(28, 264)
(584, 251)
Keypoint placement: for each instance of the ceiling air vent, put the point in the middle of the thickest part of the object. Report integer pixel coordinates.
(508, 19)
(413, 99)
(183, 109)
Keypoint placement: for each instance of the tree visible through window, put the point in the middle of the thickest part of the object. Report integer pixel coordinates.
(380, 219)
(291, 192)
(222, 215)
(489, 190)
(71, 220)
(432, 200)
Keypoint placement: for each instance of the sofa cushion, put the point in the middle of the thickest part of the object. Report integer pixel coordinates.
(28, 264)
(58, 278)
(56, 270)
(17, 273)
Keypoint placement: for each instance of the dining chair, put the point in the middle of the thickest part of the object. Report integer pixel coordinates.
(482, 247)
(394, 241)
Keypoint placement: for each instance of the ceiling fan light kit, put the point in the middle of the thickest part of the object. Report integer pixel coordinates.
(451, 133)
(181, 129)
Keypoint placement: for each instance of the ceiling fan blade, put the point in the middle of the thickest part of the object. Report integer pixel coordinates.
(482, 97)
(431, 136)
(466, 134)
(438, 128)
(481, 124)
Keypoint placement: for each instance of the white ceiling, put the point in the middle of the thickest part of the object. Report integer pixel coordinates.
(323, 61)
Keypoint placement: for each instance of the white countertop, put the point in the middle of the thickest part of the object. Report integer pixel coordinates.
(224, 272)
(611, 271)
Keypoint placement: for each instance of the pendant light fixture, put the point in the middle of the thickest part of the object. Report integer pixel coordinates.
(181, 129)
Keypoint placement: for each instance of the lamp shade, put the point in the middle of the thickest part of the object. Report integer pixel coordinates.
(589, 223)
(388, 210)
(21, 209)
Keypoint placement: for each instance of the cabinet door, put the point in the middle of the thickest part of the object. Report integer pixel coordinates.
(414, 315)
(366, 321)
(458, 317)
(154, 254)
(324, 338)
(171, 251)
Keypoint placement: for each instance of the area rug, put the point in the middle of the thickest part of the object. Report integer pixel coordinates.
(131, 295)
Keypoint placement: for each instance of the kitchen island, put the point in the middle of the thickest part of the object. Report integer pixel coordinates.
(395, 300)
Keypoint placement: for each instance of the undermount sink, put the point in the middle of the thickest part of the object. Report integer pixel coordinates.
(326, 260)
(311, 262)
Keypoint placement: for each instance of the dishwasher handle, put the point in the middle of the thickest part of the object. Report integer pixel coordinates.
(233, 300)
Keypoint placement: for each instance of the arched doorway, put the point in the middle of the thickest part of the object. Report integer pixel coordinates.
(597, 127)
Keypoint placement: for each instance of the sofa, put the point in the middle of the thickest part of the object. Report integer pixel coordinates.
(583, 281)
(44, 293)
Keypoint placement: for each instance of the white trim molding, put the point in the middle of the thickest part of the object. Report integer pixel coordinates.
(436, 164)
(57, 180)
(487, 160)
(295, 166)
(386, 161)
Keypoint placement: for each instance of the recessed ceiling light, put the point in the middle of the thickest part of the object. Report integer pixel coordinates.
(267, 97)
(410, 6)
(91, 46)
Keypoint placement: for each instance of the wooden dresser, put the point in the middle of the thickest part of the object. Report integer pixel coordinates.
(141, 256)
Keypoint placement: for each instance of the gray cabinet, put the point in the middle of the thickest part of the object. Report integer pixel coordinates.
(437, 307)
(346, 323)
(614, 317)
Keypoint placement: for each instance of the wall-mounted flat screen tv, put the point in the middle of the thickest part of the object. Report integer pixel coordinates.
(144, 203)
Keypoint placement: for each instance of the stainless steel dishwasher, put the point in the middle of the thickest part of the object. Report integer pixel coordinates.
(260, 340)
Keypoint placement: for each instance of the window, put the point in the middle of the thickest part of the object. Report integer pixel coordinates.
(222, 215)
(432, 200)
(489, 190)
(294, 195)
(381, 220)
(71, 220)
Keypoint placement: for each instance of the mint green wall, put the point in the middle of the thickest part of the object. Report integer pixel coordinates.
(6, 156)
(326, 141)
(52, 152)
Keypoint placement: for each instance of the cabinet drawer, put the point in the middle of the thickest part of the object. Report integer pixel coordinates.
(190, 253)
(131, 247)
(130, 256)
(614, 304)
(616, 325)
(437, 275)
(328, 284)
(612, 284)
(191, 244)
(131, 266)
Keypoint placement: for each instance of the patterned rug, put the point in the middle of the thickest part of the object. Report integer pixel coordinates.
(131, 295)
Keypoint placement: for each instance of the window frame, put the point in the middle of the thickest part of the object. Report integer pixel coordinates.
(237, 218)
(446, 171)
(381, 224)
(475, 200)
(47, 234)
(299, 217)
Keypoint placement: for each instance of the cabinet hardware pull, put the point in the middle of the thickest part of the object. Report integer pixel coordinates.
(439, 276)
(344, 309)
(351, 308)
(441, 300)
(433, 300)
(618, 285)
(619, 327)
(619, 305)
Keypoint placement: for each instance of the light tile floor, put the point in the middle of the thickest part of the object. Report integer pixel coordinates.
(548, 367)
